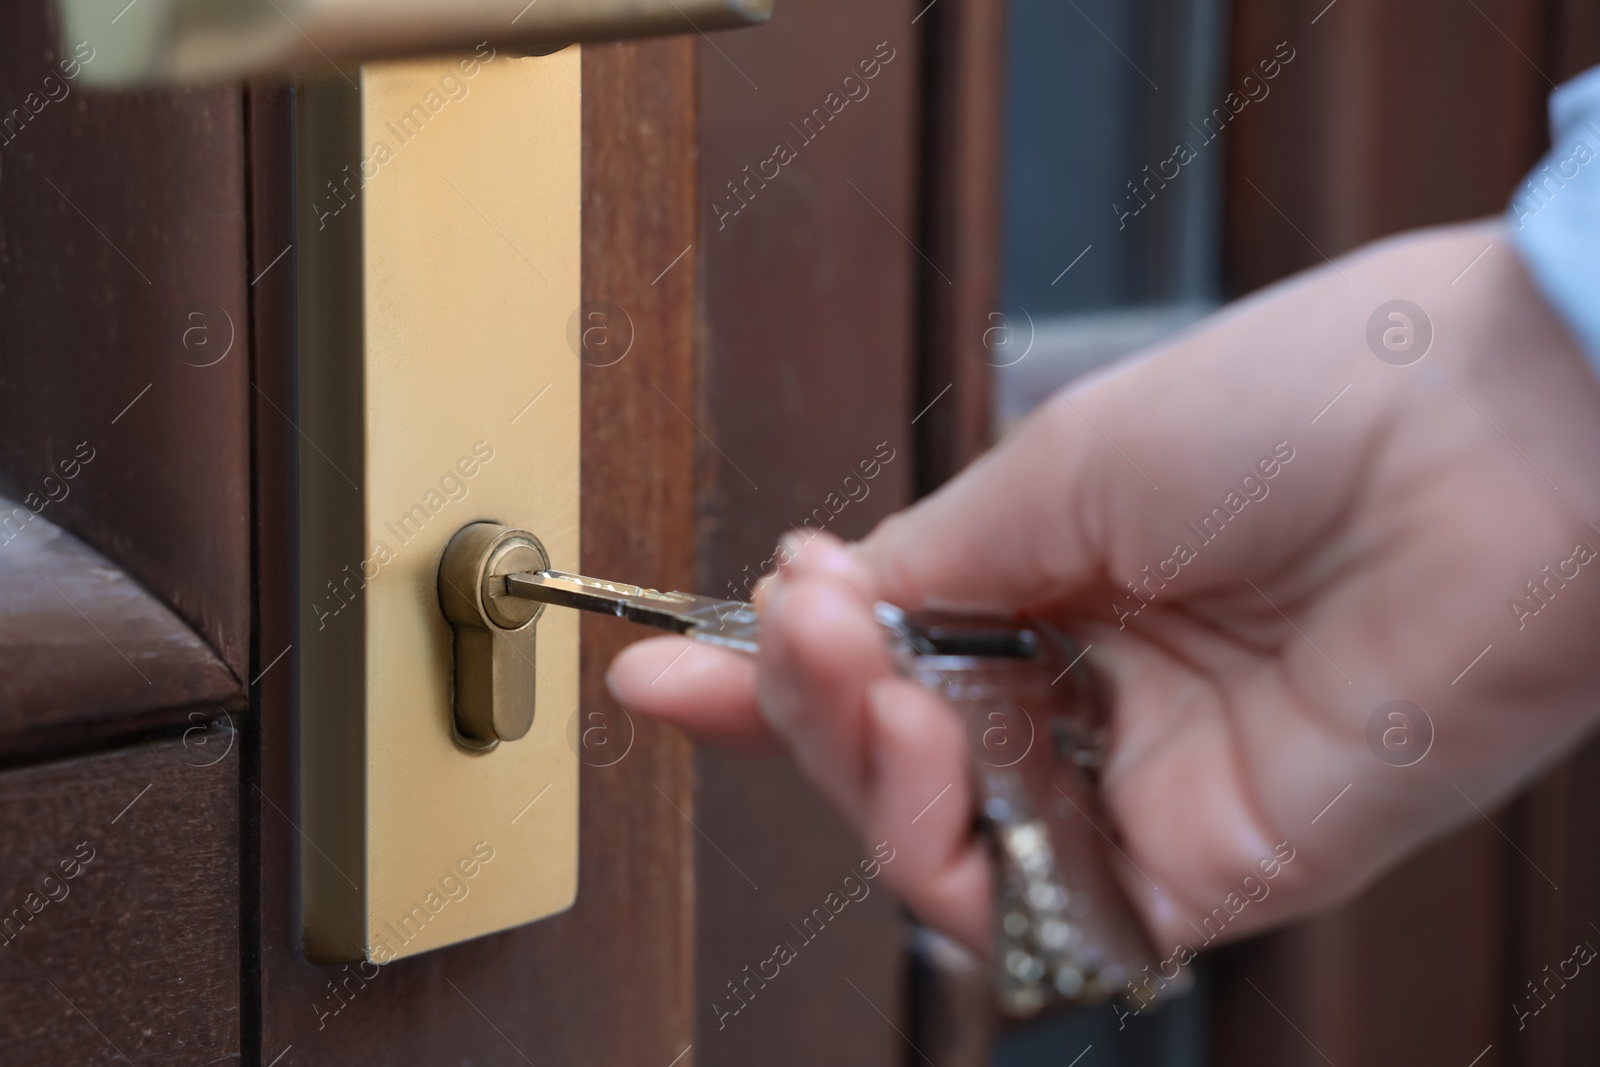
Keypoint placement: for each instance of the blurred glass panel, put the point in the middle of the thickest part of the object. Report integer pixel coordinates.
(1112, 182)
(1111, 242)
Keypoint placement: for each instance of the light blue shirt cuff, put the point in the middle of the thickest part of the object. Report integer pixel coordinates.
(1555, 214)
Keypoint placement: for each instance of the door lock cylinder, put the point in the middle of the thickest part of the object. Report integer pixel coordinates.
(495, 654)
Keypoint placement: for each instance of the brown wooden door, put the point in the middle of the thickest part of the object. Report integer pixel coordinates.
(148, 816)
(605, 982)
(148, 645)
(784, 329)
(1406, 115)
(126, 638)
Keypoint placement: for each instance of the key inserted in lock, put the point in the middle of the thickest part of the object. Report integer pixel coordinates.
(495, 672)
(495, 581)
(1065, 930)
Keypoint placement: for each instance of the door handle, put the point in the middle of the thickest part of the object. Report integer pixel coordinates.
(174, 41)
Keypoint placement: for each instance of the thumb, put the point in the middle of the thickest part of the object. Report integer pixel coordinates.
(1017, 529)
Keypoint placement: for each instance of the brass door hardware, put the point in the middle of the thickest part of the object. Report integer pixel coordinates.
(435, 279)
(496, 670)
(494, 583)
(434, 289)
(168, 41)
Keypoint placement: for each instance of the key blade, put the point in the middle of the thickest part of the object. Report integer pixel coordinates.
(727, 623)
(594, 594)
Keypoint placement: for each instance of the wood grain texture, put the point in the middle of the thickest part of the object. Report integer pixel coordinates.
(810, 354)
(610, 980)
(1393, 116)
(122, 284)
(1572, 42)
(962, 119)
(1390, 116)
(82, 644)
(1406, 974)
(134, 959)
(950, 1016)
(1553, 905)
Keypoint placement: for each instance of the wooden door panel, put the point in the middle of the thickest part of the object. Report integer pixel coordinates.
(85, 650)
(1573, 38)
(1369, 983)
(119, 905)
(1374, 127)
(146, 267)
(1394, 116)
(124, 562)
(122, 285)
(961, 130)
(810, 319)
(1552, 904)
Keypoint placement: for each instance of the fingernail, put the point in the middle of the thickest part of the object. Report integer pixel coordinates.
(791, 543)
(835, 558)
(825, 553)
(777, 695)
(769, 596)
(779, 702)
(885, 718)
(611, 687)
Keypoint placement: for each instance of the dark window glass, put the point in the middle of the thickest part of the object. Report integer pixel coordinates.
(1110, 243)
(1112, 181)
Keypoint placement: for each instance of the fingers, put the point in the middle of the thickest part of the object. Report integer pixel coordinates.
(1001, 536)
(888, 753)
(707, 692)
(1104, 480)
(710, 693)
(919, 801)
(821, 650)
(885, 751)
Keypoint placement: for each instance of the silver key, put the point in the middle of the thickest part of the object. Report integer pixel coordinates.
(729, 623)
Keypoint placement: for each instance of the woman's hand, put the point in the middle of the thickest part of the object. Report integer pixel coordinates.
(1265, 532)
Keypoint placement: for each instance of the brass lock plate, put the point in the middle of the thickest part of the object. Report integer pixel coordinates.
(438, 268)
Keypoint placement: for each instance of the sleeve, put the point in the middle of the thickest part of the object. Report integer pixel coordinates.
(1555, 214)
